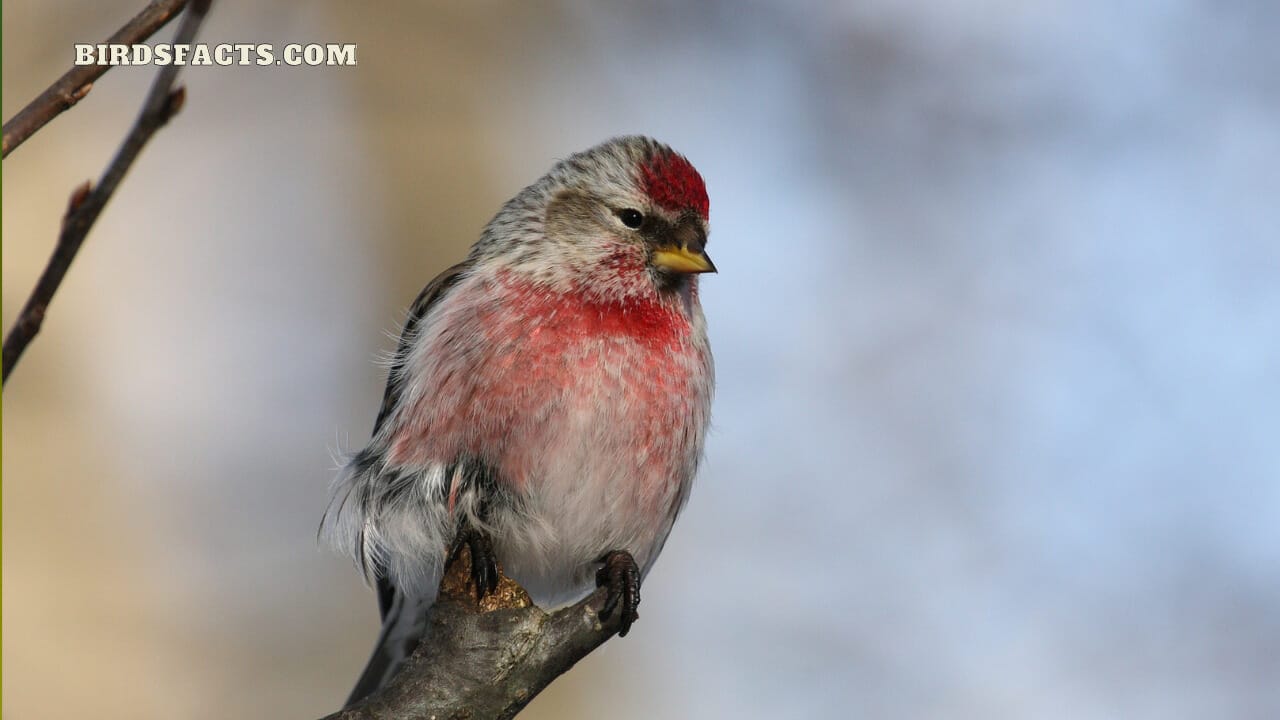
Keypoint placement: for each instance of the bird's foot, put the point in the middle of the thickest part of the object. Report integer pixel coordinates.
(622, 577)
(484, 562)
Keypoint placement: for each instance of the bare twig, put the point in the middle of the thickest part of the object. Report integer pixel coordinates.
(76, 82)
(86, 204)
(485, 663)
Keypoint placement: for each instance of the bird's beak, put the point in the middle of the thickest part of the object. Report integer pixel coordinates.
(683, 259)
(682, 248)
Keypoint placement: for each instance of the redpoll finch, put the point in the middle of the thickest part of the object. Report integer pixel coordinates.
(548, 402)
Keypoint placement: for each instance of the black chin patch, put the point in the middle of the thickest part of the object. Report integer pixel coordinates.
(669, 281)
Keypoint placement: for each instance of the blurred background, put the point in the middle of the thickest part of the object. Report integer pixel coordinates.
(997, 331)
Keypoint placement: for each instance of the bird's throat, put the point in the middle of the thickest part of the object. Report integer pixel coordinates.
(584, 313)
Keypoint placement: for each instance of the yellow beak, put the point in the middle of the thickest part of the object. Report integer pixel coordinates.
(682, 260)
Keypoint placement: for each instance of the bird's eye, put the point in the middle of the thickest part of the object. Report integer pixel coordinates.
(631, 218)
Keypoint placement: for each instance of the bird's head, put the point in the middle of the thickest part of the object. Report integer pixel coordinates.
(626, 216)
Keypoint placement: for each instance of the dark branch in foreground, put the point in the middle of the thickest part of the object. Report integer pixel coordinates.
(76, 82)
(485, 662)
(87, 202)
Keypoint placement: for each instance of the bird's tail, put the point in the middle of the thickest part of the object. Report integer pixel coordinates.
(403, 620)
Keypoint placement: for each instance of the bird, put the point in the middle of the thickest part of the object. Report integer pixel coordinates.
(548, 402)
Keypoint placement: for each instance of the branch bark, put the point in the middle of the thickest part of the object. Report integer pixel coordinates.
(76, 82)
(87, 202)
(485, 662)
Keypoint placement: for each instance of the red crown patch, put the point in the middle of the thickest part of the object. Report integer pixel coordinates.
(674, 184)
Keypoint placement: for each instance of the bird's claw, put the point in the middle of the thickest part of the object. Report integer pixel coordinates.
(484, 562)
(621, 576)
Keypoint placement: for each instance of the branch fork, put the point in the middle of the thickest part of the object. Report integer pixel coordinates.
(486, 660)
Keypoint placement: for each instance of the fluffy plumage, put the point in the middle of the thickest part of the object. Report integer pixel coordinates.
(551, 392)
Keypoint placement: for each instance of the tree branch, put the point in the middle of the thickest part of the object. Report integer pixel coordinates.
(76, 82)
(485, 662)
(161, 104)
